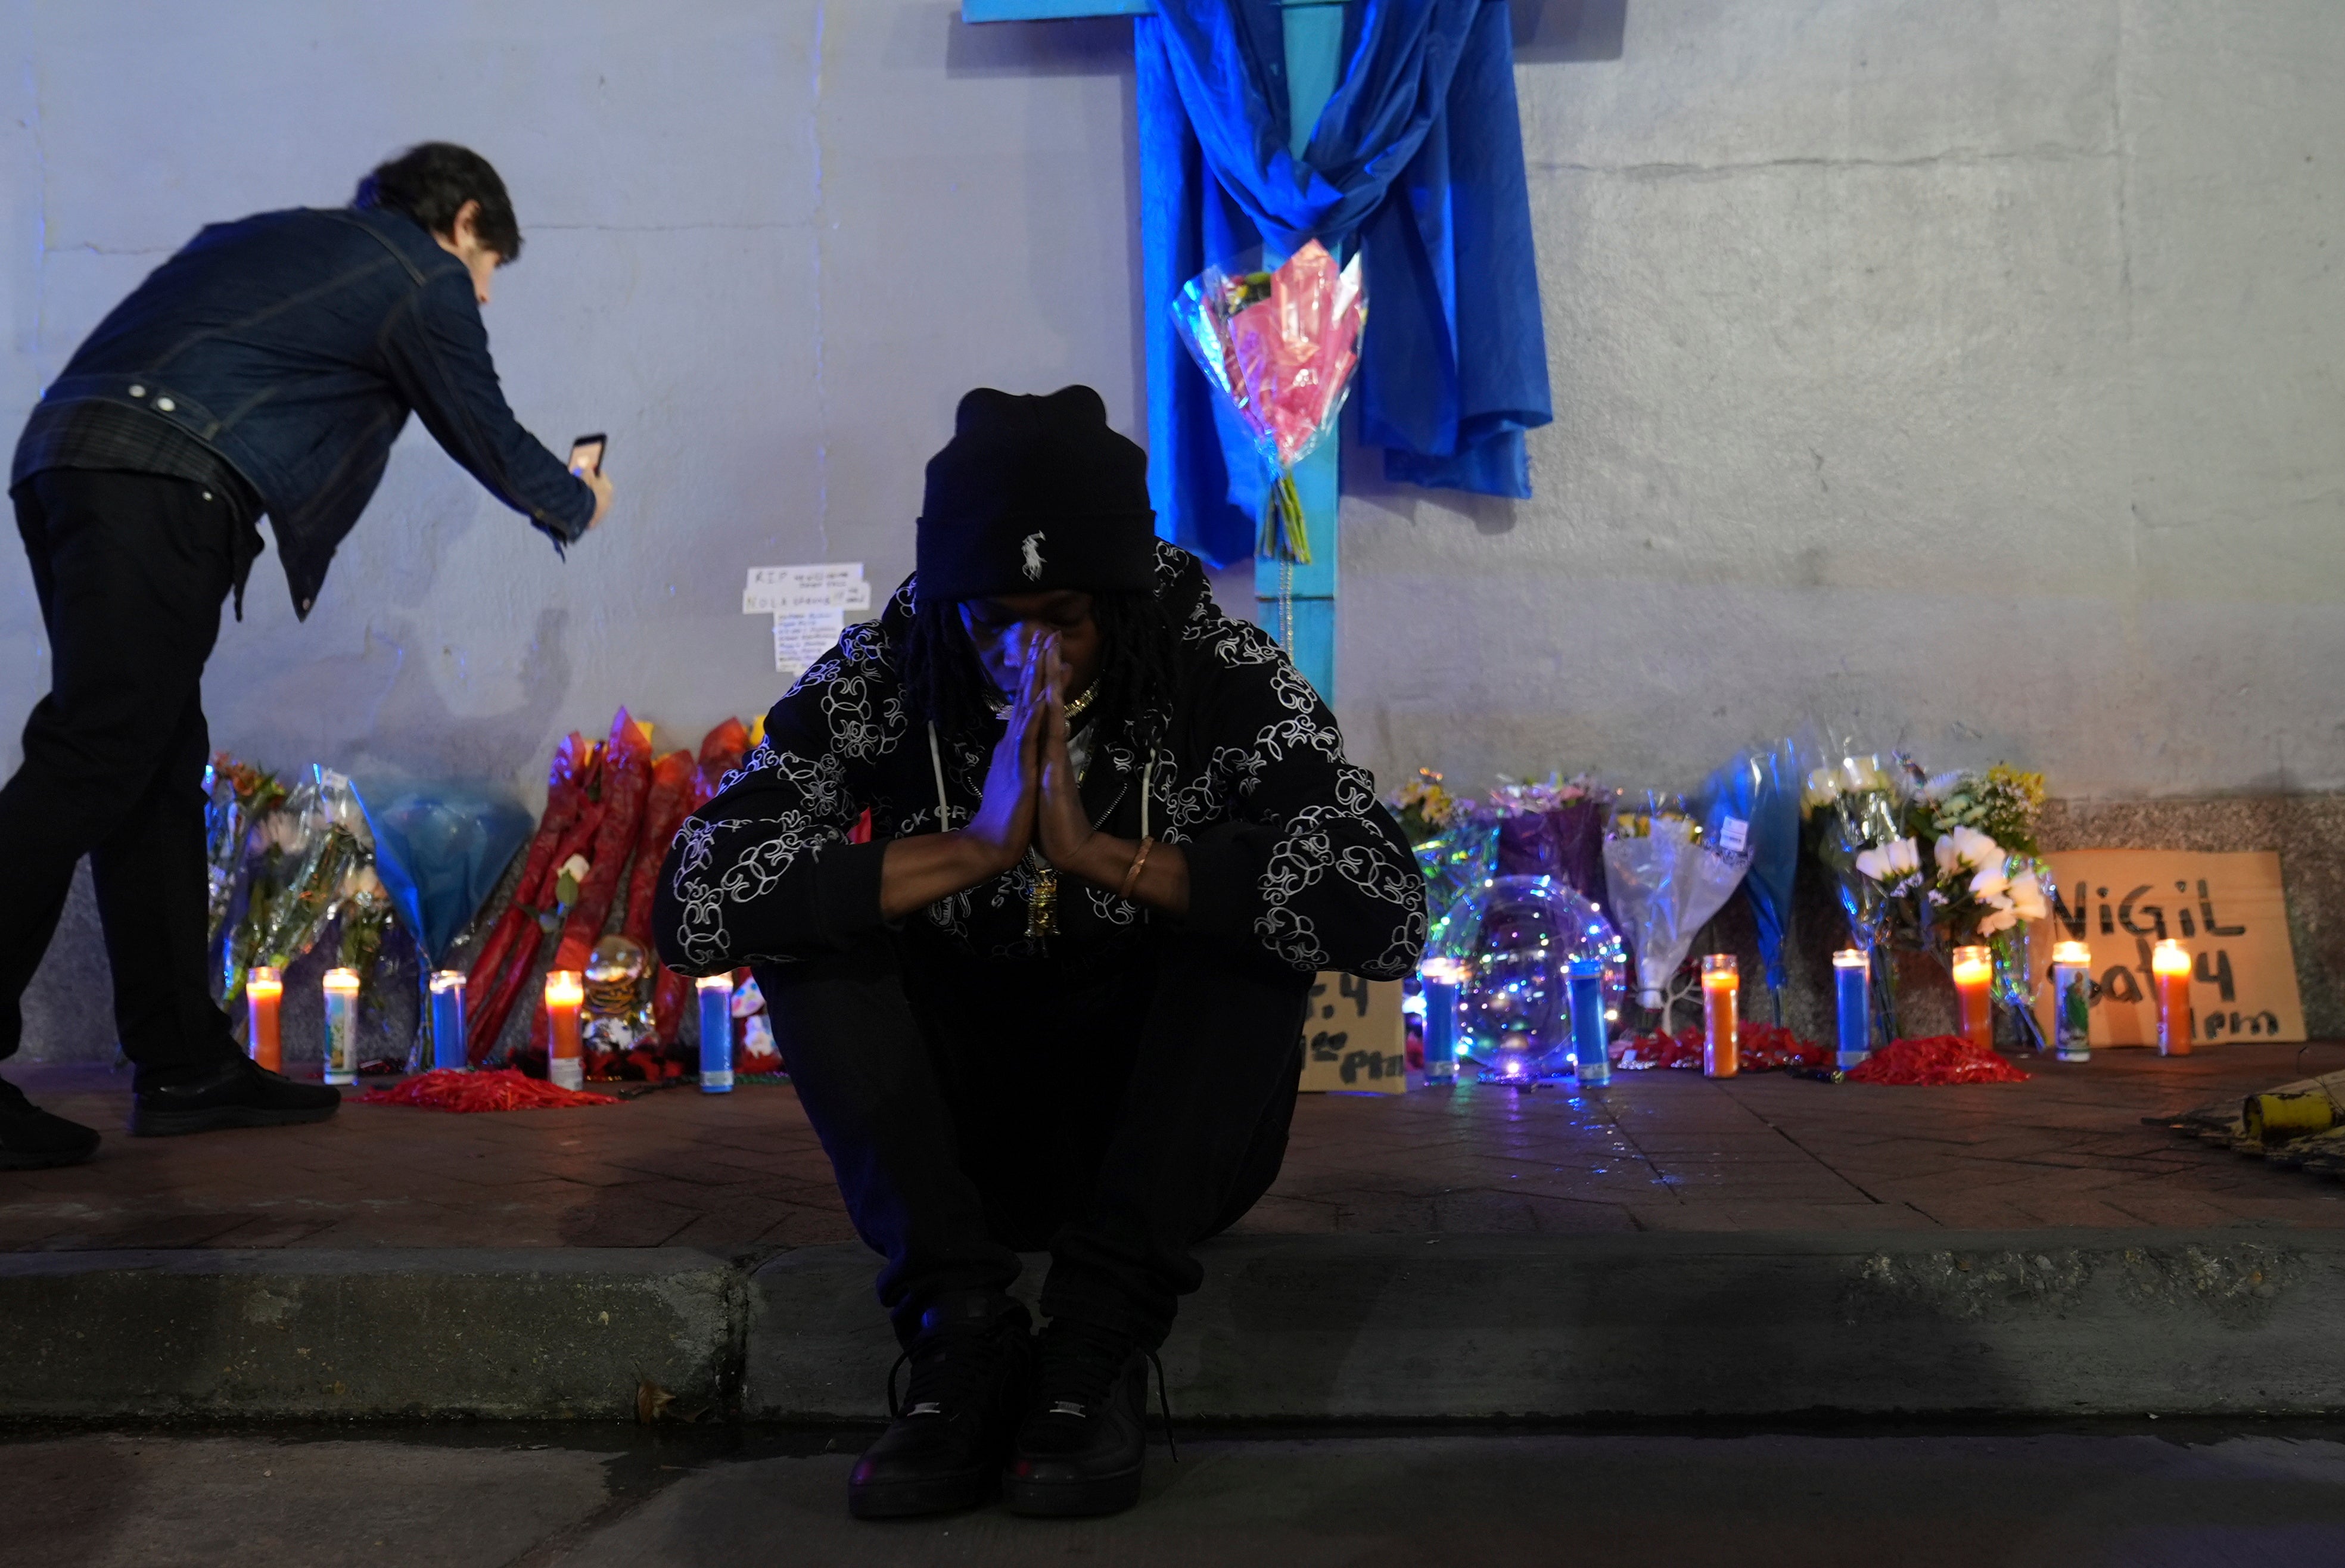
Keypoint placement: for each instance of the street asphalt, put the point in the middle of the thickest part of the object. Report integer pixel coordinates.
(2144, 1496)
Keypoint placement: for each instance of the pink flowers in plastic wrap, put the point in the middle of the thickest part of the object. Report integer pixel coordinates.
(1282, 346)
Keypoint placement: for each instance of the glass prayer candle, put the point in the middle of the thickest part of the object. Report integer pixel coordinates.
(2072, 1001)
(565, 992)
(448, 1019)
(1852, 991)
(264, 993)
(2169, 965)
(1720, 1013)
(1441, 978)
(1974, 996)
(342, 1026)
(1589, 1042)
(715, 1034)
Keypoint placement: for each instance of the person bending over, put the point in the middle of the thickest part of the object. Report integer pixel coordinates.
(1057, 1003)
(267, 367)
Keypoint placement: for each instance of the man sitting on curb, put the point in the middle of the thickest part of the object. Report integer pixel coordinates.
(1057, 1004)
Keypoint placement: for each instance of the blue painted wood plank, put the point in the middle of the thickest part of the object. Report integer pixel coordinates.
(1050, 10)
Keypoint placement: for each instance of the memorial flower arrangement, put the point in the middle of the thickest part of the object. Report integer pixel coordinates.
(1280, 347)
(236, 795)
(306, 856)
(1663, 882)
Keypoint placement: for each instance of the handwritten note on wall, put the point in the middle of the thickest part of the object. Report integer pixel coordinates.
(810, 605)
(1352, 1037)
(2226, 910)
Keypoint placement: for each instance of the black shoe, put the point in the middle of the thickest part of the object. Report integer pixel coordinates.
(32, 1139)
(237, 1092)
(943, 1449)
(1086, 1432)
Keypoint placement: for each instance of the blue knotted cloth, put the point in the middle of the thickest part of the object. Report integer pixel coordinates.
(1417, 159)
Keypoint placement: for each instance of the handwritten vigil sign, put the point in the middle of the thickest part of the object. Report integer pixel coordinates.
(2227, 911)
(1352, 1037)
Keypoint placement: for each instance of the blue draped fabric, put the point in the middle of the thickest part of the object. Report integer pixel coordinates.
(1415, 162)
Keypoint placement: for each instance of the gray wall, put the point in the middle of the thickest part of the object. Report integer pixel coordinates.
(1964, 372)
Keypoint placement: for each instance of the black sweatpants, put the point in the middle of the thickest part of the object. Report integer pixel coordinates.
(131, 570)
(1112, 1110)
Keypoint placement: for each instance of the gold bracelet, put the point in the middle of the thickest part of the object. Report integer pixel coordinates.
(1131, 877)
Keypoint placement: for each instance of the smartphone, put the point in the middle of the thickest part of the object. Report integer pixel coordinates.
(586, 453)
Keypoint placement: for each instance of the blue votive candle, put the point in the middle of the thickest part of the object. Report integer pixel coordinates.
(1591, 1039)
(1440, 978)
(715, 1034)
(448, 1019)
(1853, 985)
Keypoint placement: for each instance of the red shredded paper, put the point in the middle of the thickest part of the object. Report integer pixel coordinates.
(1934, 1059)
(446, 1088)
(1758, 1048)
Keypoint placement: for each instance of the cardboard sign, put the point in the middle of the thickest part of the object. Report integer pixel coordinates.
(1352, 1037)
(2226, 910)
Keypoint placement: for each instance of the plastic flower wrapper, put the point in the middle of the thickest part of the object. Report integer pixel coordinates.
(1455, 844)
(1989, 884)
(1515, 1008)
(1854, 803)
(313, 841)
(1553, 827)
(441, 850)
(235, 796)
(1280, 347)
(1665, 884)
(365, 907)
(1753, 804)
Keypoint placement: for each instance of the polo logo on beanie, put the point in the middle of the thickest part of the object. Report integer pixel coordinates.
(1035, 494)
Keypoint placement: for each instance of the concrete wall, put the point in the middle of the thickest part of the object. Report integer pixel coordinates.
(1962, 372)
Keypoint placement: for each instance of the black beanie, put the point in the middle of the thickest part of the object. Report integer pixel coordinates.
(1032, 494)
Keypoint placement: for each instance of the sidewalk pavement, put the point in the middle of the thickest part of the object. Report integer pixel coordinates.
(1663, 1150)
(487, 1498)
(1668, 1246)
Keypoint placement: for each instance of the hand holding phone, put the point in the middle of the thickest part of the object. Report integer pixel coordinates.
(586, 462)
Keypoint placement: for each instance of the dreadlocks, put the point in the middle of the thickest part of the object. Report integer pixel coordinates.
(1139, 645)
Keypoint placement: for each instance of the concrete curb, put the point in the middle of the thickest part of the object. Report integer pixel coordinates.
(555, 1333)
(1291, 1328)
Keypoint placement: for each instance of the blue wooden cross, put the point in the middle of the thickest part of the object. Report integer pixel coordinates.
(1314, 60)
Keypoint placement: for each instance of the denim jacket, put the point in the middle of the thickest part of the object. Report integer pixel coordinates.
(295, 344)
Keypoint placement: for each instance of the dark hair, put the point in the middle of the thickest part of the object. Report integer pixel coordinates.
(432, 181)
(1139, 643)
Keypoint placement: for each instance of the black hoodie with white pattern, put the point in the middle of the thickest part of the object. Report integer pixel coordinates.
(1289, 850)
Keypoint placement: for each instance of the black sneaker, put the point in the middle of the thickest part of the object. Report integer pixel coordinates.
(1086, 1431)
(32, 1139)
(943, 1448)
(237, 1092)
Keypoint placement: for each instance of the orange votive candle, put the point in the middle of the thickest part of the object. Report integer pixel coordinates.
(264, 992)
(1722, 990)
(2169, 965)
(565, 992)
(1974, 996)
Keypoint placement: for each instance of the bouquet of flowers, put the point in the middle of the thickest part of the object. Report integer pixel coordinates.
(309, 849)
(1280, 347)
(1665, 883)
(1856, 806)
(1752, 803)
(1553, 827)
(1456, 845)
(1990, 882)
(236, 795)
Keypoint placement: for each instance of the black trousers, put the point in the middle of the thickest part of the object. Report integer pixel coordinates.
(131, 570)
(1113, 1111)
